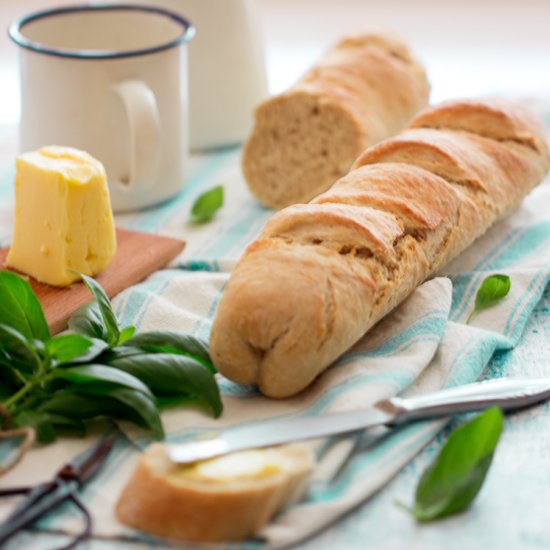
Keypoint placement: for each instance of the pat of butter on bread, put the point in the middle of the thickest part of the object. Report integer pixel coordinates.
(63, 217)
(228, 498)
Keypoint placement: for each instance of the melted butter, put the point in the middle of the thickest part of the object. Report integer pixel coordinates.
(253, 464)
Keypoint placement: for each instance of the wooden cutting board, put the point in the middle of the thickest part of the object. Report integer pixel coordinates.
(138, 255)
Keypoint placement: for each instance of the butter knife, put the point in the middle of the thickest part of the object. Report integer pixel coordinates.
(506, 393)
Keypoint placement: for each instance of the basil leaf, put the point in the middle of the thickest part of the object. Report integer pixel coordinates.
(119, 352)
(89, 401)
(40, 421)
(64, 423)
(82, 408)
(168, 375)
(142, 406)
(19, 307)
(11, 338)
(19, 351)
(207, 204)
(167, 341)
(46, 425)
(174, 401)
(66, 347)
(109, 318)
(87, 320)
(9, 383)
(99, 373)
(453, 480)
(14, 369)
(492, 290)
(126, 334)
(96, 349)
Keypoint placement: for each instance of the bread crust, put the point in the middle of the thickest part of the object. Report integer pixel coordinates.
(320, 275)
(364, 89)
(161, 503)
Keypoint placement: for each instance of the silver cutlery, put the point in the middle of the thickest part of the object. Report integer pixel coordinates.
(506, 393)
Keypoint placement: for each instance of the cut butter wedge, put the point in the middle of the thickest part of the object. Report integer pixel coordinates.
(227, 498)
(63, 217)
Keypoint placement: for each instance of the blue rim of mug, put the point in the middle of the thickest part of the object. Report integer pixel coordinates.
(20, 39)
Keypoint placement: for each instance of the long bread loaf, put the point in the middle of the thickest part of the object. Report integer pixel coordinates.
(363, 90)
(321, 274)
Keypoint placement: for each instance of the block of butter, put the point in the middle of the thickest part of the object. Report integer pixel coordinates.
(63, 216)
(222, 499)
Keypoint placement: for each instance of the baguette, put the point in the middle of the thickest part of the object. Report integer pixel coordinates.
(321, 274)
(224, 499)
(365, 89)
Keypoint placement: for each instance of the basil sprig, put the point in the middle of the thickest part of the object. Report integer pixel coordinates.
(492, 290)
(455, 477)
(207, 204)
(99, 369)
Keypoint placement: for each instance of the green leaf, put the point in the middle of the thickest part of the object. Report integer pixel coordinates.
(66, 424)
(106, 309)
(77, 409)
(87, 320)
(19, 349)
(40, 421)
(453, 480)
(171, 375)
(492, 290)
(142, 406)
(47, 425)
(19, 307)
(8, 383)
(12, 341)
(167, 341)
(89, 401)
(14, 371)
(11, 338)
(126, 334)
(66, 347)
(207, 205)
(174, 401)
(99, 373)
(81, 407)
(96, 349)
(120, 352)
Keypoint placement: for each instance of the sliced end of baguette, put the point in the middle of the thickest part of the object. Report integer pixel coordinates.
(364, 89)
(300, 145)
(223, 499)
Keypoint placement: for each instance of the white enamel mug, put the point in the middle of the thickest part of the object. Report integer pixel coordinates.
(111, 80)
(227, 73)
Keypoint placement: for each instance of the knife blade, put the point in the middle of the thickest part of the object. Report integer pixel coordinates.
(507, 393)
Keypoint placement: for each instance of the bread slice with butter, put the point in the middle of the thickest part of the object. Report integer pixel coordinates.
(222, 499)
(63, 218)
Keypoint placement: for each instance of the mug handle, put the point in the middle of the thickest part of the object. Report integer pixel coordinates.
(144, 123)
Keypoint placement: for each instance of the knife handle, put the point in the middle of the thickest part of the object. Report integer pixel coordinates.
(506, 393)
